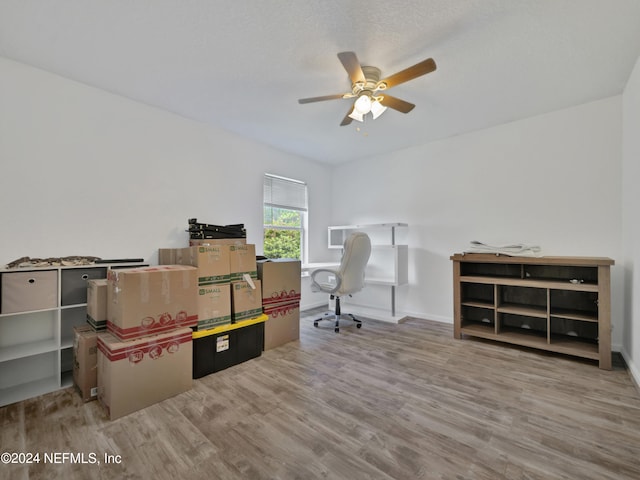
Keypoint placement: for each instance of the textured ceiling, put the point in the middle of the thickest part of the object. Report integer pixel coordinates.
(241, 65)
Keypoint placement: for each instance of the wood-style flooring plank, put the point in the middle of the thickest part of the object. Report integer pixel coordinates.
(385, 401)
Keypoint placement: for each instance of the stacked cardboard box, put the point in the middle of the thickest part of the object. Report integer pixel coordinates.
(246, 299)
(139, 373)
(85, 362)
(97, 304)
(146, 354)
(214, 288)
(228, 290)
(242, 259)
(85, 358)
(246, 292)
(151, 300)
(281, 292)
(230, 329)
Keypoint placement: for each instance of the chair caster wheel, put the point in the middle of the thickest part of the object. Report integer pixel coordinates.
(358, 325)
(336, 329)
(315, 324)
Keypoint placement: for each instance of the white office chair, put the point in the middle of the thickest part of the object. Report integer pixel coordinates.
(349, 276)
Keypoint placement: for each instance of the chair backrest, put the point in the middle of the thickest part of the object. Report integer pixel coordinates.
(357, 249)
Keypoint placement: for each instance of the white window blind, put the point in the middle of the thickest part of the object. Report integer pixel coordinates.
(280, 192)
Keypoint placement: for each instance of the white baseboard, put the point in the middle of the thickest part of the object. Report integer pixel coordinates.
(633, 369)
(431, 316)
(313, 305)
(380, 314)
(367, 312)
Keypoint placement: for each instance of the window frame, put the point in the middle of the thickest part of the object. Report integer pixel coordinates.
(291, 203)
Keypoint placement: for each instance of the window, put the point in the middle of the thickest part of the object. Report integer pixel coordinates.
(285, 217)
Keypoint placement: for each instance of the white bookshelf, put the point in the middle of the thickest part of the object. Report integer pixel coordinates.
(36, 346)
(388, 265)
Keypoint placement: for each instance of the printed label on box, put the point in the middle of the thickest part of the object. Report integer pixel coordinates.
(222, 343)
(209, 323)
(282, 310)
(280, 297)
(153, 348)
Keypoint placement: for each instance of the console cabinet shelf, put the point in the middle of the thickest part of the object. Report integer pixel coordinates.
(39, 307)
(558, 304)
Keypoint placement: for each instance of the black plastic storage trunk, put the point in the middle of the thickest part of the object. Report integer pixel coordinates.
(227, 345)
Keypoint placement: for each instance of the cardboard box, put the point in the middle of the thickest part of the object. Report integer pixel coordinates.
(212, 261)
(246, 302)
(280, 281)
(151, 300)
(217, 241)
(221, 348)
(214, 306)
(243, 260)
(25, 291)
(281, 293)
(283, 325)
(168, 256)
(139, 373)
(85, 362)
(97, 303)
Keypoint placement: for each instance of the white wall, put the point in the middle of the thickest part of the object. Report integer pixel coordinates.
(85, 172)
(631, 221)
(552, 180)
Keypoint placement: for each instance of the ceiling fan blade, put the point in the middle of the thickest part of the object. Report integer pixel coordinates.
(347, 119)
(419, 69)
(352, 66)
(396, 103)
(321, 99)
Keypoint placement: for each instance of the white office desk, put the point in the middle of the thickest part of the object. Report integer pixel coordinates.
(374, 313)
(309, 267)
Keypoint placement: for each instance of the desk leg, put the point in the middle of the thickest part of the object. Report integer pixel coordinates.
(393, 300)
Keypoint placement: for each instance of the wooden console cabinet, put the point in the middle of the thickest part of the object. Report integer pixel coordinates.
(559, 304)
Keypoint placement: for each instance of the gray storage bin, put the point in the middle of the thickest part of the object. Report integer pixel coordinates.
(26, 291)
(74, 283)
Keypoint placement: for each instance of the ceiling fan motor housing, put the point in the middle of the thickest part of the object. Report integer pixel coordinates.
(372, 77)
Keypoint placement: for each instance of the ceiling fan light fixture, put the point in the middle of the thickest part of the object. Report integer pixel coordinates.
(377, 109)
(356, 115)
(363, 104)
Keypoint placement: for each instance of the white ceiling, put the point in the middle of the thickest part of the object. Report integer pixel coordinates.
(243, 64)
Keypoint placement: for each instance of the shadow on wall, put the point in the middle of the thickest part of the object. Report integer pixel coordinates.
(627, 312)
(430, 292)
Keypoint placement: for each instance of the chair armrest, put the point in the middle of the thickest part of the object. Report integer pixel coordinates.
(317, 287)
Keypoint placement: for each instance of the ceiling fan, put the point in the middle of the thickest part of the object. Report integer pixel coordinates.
(370, 91)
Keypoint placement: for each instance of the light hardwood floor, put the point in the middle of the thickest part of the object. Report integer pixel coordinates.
(383, 402)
